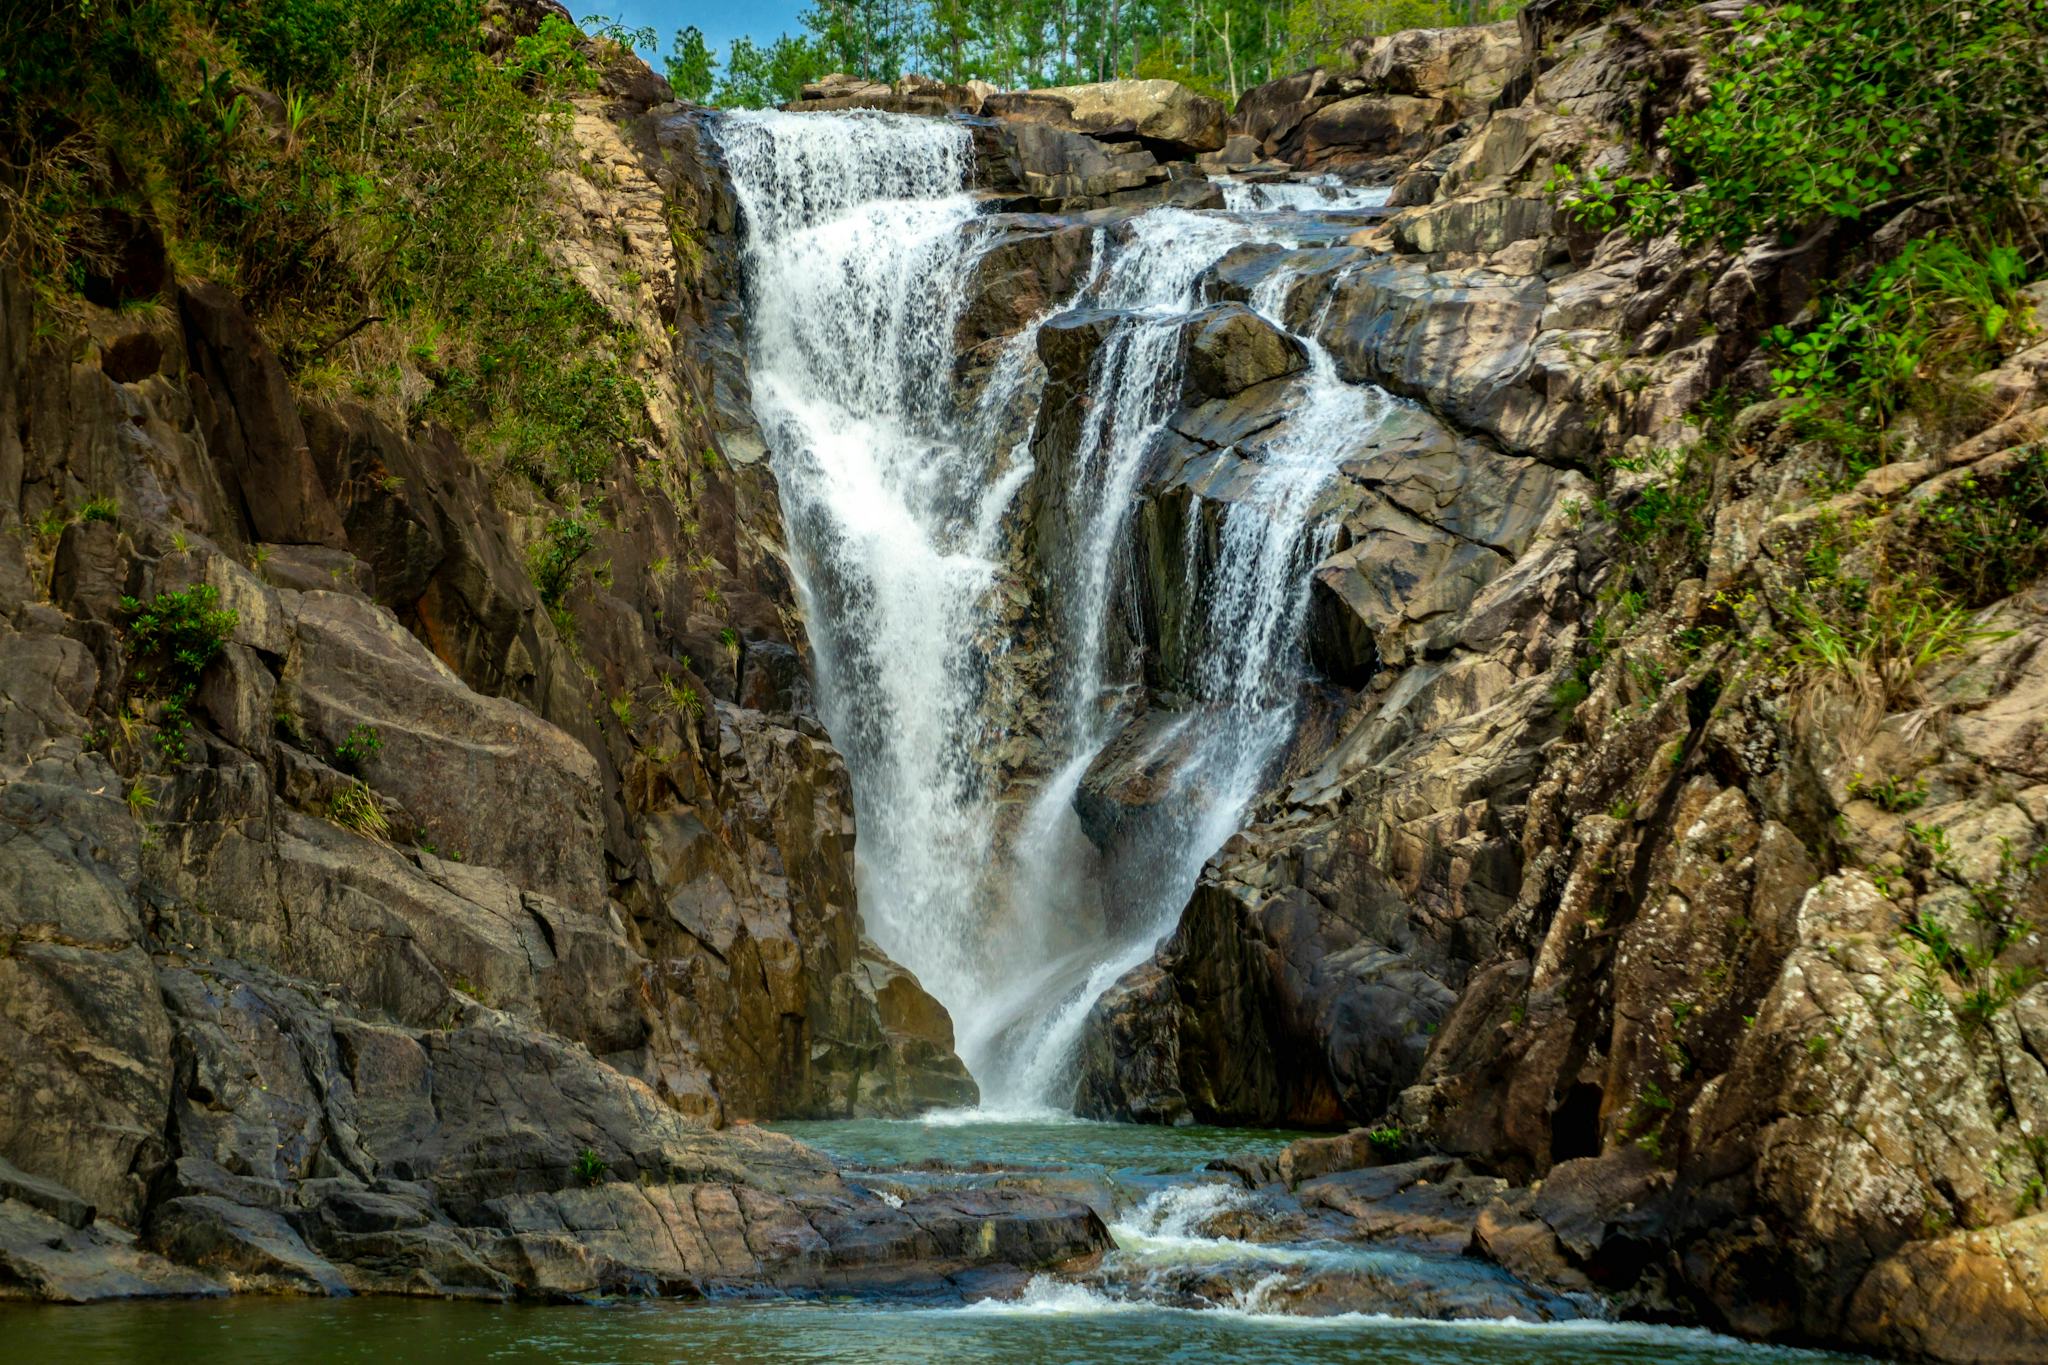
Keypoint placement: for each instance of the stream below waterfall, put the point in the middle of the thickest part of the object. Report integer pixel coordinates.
(1204, 1271)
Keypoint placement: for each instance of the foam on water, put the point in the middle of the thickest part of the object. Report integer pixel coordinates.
(1308, 194)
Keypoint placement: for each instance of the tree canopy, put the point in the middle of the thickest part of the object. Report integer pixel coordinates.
(1221, 47)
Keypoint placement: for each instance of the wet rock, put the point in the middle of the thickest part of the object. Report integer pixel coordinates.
(248, 1248)
(1230, 348)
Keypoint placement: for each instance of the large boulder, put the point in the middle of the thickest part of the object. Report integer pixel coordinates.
(1163, 114)
(1389, 108)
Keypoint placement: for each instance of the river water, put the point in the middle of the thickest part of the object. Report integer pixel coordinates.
(413, 1332)
(1173, 1291)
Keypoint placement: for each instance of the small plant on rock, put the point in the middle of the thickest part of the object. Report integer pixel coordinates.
(361, 744)
(1889, 793)
(681, 698)
(1387, 1140)
(172, 640)
(589, 1167)
(355, 807)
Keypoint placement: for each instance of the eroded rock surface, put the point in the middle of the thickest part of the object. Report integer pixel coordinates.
(444, 955)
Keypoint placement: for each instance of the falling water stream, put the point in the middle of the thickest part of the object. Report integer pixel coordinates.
(901, 491)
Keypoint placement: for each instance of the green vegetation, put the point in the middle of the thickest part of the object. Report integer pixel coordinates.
(361, 744)
(139, 796)
(171, 641)
(1886, 632)
(1849, 111)
(1971, 959)
(1889, 793)
(1869, 344)
(371, 175)
(690, 63)
(1387, 1140)
(1220, 47)
(553, 559)
(589, 1167)
(681, 698)
(1987, 537)
(355, 807)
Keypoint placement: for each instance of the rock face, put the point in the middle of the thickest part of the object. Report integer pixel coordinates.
(1576, 873)
(440, 958)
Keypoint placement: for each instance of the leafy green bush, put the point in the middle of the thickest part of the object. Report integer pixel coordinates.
(358, 747)
(1870, 343)
(590, 1167)
(1988, 537)
(554, 558)
(171, 641)
(1857, 108)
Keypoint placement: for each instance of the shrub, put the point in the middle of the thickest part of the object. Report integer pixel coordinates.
(1988, 537)
(681, 698)
(355, 807)
(172, 640)
(1849, 110)
(1387, 1139)
(1871, 342)
(1894, 632)
(554, 558)
(589, 1167)
(361, 744)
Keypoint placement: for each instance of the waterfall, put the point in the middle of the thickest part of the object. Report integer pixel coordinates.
(899, 489)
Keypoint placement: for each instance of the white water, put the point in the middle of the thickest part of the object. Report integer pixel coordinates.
(1313, 194)
(861, 250)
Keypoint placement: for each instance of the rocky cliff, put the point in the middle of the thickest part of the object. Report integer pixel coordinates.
(397, 893)
(475, 910)
(1598, 866)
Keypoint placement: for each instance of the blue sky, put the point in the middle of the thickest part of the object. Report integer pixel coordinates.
(760, 20)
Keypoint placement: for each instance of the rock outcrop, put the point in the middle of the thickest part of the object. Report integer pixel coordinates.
(1408, 94)
(1580, 871)
(433, 939)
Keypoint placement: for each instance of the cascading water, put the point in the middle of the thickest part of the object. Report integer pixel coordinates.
(1318, 194)
(862, 244)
